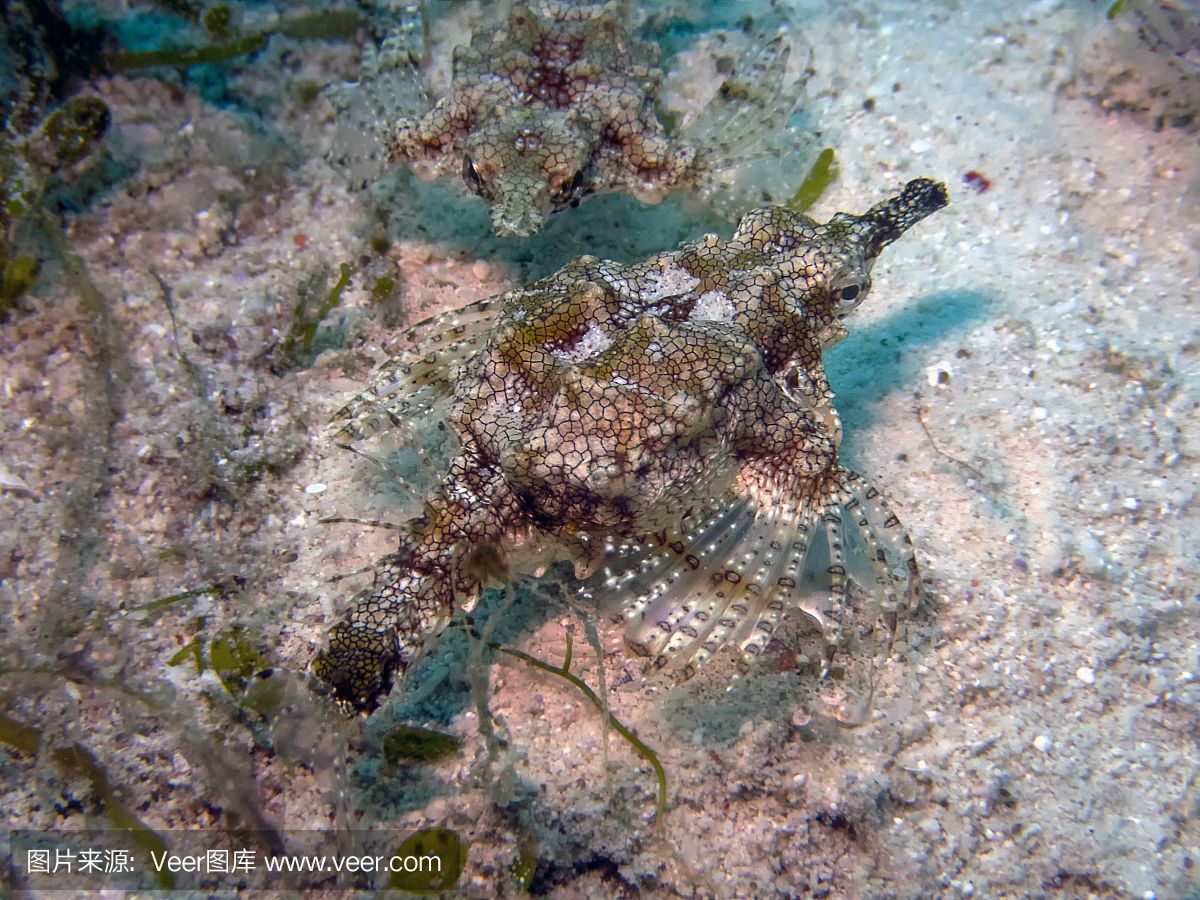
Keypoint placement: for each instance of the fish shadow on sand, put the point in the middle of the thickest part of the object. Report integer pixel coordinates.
(611, 226)
(888, 356)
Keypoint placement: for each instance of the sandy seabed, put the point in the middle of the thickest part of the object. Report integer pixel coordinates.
(1022, 383)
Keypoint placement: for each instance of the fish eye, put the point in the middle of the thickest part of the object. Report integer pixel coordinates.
(846, 298)
(571, 192)
(471, 175)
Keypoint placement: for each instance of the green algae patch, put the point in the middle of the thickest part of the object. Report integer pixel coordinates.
(437, 857)
(218, 22)
(230, 654)
(194, 56)
(524, 865)
(639, 746)
(383, 288)
(162, 602)
(30, 164)
(235, 659)
(75, 129)
(297, 344)
(193, 651)
(16, 279)
(78, 760)
(336, 25)
(407, 743)
(822, 174)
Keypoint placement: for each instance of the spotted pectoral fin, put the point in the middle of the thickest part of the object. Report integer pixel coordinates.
(860, 562)
(411, 385)
(886, 544)
(747, 120)
(725, 576)
(738, 570)
(390, 89)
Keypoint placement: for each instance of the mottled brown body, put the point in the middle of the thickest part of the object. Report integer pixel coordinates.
(558, 102)
(671, 423)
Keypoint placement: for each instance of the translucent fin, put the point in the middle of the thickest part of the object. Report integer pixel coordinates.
(410, 385)
(747, 119)
(390, 88)
(767, 585)
(788, 546)
(675, 577)
(686, 593)
(870, 575)
(888, 543)
(828, 547)
(407, 468)
(750, 104)
(831, 527)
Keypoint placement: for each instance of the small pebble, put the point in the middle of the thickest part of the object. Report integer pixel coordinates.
(1040, 412)
(921, 145)
(1086, 674)
(480, 269)
(1131, 503)
(1042, 743)
(316, 488)
(9, 480)
(938, 375)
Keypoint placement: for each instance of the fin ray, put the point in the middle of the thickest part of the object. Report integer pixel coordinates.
(390, 88)
(828, 547)
(410, 385)
(746, 123)
(747, 117)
